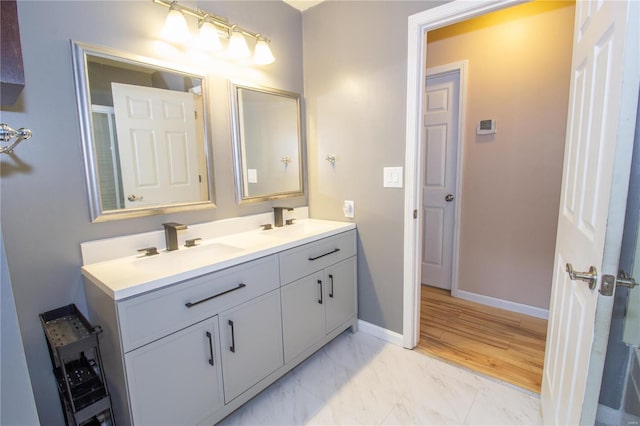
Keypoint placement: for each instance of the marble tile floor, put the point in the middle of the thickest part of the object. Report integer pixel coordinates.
(358, 379)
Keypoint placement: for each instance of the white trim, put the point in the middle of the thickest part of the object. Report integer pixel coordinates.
(507, 305)
(380, 333)
(460, 67)
(418, 26)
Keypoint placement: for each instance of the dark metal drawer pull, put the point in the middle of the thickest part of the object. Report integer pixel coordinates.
(210, 347)
(232, 348)
(320, 300)
(326, 254)
(192, 304)
(331, 291)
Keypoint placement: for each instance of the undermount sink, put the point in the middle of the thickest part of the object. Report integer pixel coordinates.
(192, 255)
(301, 228)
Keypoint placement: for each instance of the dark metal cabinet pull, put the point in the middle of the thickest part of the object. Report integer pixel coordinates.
(192, 304)
(210, 347)
(232, 348)
(331, 288)
(323, 255)
(320, 300)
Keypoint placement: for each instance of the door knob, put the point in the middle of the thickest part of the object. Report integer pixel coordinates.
(133, 197)
(448, 198)
(590, 277)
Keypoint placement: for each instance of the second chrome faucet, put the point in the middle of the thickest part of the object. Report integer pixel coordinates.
(278, 215)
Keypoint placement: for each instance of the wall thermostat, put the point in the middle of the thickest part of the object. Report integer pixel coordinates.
(486, 127)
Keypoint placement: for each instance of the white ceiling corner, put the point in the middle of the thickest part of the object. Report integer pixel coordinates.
(302, 5)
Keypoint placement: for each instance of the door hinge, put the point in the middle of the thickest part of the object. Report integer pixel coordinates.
(415, 213)
(609, 282)
(200, 178)
(195, 114)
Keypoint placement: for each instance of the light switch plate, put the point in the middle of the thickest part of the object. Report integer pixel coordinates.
(252, 175)
(393, 177)
(348, 208)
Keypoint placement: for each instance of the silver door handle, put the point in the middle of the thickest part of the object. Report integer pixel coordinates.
(448, 198)
(133, 197)
(590, 277)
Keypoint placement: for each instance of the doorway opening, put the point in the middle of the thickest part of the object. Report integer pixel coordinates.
(605, 75)
(500, 193)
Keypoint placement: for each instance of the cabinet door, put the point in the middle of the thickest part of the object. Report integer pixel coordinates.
(251, 339)
(302, 314)
(172, 381)
(340, 290)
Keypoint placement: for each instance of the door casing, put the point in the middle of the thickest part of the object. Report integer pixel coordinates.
(419, 25)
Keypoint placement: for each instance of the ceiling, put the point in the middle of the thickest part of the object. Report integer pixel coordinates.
(302, 5)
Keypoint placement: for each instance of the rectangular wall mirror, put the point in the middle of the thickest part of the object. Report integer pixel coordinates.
(267, 143)
(144, 134)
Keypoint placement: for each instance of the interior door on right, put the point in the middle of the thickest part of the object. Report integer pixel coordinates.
(596, 161)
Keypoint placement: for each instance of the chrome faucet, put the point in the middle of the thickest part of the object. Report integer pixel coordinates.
(171, 234)
(278, 215)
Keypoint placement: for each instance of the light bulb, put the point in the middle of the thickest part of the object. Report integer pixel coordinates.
(209, 38)
(175, 27)
(238, 48)
(262, 54)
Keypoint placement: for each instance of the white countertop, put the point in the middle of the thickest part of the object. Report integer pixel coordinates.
(128, 276)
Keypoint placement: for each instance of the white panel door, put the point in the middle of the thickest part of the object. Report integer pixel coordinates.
(594, 124)
(157, 145)
(441, 129)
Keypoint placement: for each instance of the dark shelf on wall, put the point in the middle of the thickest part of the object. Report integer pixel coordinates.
(11, 67)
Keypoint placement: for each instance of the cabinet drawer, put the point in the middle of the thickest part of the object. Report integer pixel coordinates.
(309, 258)
(153, 315)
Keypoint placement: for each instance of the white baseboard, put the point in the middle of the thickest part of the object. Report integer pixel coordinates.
(502, 304)
(380, 333)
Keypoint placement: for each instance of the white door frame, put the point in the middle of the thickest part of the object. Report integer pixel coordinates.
(461, 67)
(419, 25)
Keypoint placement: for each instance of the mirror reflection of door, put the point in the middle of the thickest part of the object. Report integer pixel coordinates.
(157, 145)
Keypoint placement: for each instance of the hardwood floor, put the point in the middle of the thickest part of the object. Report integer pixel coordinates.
(501, 344)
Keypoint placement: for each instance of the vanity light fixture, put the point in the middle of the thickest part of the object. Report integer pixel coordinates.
(238, 48)
(212, 27)
(175, 27)
(262, 54)
(209, 39)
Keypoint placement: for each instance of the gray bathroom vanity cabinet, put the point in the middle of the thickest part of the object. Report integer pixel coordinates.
(191, 352)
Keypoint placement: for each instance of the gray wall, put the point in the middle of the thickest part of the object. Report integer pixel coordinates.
(355, 69)
(44, 209)
(17, 405)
